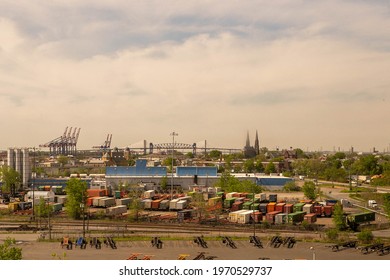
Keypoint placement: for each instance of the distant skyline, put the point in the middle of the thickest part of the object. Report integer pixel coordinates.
(304, 74)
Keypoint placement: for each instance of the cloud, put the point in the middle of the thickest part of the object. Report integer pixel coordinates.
(139, 68)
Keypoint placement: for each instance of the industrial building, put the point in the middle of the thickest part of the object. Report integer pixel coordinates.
(19, 160)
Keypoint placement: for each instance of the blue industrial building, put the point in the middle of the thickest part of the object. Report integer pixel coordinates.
(140, 169)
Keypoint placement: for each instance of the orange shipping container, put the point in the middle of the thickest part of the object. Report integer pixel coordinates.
(95, 192)
(271, 207)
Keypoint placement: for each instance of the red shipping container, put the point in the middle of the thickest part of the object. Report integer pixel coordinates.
(318, 210)
(288, 208)
(270, 216)
(310, 218)
(280, 207)
(328, 211)
(95, 192)
(271, 207)
(258, 217)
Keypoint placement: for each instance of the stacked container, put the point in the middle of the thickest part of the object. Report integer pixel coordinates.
(308, 208)
(280, 207)
(263, 207)
(271, 207)
(298, 207)
(318, 210)
(237, 206)
(288, 208)
(281, 218)
(310, 218)
(273, 198)
(270, 216)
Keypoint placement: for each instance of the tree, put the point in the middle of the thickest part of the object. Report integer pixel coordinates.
(62, 160)
(164, 183)
(249, 166)
(215, 154)
(76, 190)
(8, 252)
(338, 217)
(10, 178)
(309, 190)
(291, 187)
(270, 168)
(43, 209)
(386, 203)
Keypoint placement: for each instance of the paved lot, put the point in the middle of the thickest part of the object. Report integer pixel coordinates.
(33, 250)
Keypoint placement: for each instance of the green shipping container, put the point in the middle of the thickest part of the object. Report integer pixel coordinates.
(298, 207)
(296, 217)
(255, 206)
(229, 202)
(247, 205)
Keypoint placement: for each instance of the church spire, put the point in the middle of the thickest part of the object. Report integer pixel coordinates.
(248, 144)
(257, 145)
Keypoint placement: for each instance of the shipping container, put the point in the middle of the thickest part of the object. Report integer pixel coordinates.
(308, 208)
(237, 206)
(280, 207)
(214, 201)
(123, 201)
(181, 204)
(257, 217)
(361, 217)
(95, 192)
(146, 203)
(271, 207)
(270, 216)
(106, 202)
(263, 207)
(230, 195)
(281, 218)
(247, 205)
(172, 204)
(164, 204)
(63, 198)
(298, 207)
(13, 206)
(288, 208)
(255, 206)
(56, 207)
(156, 204)
(116, 210)
(296, 217)
(310, 218)
(261, 196)
(327, 210)
(273, 198)
(229, 202)
(25, 205)
(331, 202)
(244, 217)
(149, 194)
(318, 210)
(233, 216)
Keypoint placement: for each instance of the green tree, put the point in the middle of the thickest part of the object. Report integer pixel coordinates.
(338, 217)
(291, 187)
(249, 166)
(62, 160)
(43, 209)
(164, 183)
(76, 190)
(215, 154)
(8, 251)
(10, 178)
(309, 190)
(270, 168)
(386, 204)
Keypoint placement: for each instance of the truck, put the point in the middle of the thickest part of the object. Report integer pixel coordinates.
(372, 204)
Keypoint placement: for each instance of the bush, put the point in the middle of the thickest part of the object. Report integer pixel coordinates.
(332, 234)
(365, 236)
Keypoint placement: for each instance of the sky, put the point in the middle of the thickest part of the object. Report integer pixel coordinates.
(305, 74)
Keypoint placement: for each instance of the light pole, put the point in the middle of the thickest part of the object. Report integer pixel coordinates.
(82, 206)
(173, 134)
(314, 253)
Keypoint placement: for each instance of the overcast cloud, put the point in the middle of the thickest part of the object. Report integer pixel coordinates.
(306, 74)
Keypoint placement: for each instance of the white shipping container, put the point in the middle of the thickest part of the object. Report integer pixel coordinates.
(164, 204)
(95, 201)
(149, 194)
(308, 208)
(182, 204)
(147, 203)
(106, 202)
(117, 210)
(244, 217)
(172, 204)
(281, 218)
(230, 195)
(261, 196)
(123, 201)
(233, 216)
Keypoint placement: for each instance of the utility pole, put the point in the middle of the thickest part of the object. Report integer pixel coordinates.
(173, 134)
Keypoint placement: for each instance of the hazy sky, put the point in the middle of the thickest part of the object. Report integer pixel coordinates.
(305, 74)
